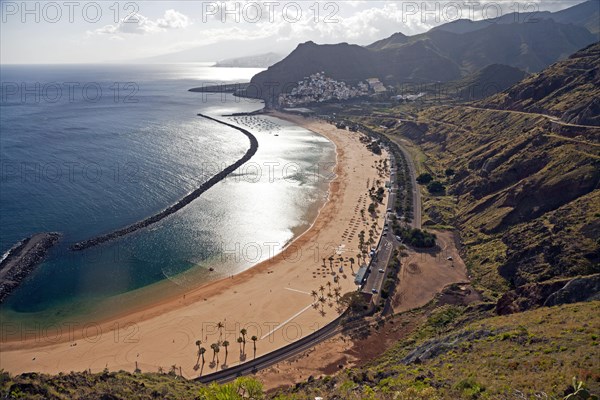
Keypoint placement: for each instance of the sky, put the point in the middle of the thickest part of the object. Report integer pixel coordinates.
(70, 31)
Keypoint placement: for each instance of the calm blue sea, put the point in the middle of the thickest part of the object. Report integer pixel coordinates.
(88, 149)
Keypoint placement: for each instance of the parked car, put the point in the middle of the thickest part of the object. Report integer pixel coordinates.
(381, 270)
(374, 290)
(449, 258)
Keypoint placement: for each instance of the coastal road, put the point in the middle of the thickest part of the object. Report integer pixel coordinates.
(386, 247)
(279, 355)
(376, 278)
(551, 118)
(388, 242)
(416, 192)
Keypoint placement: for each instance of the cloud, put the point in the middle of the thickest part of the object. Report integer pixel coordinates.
(361, 26)
(141, 25)
(173, 20)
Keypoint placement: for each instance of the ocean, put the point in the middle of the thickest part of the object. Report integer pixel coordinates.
(87, 149)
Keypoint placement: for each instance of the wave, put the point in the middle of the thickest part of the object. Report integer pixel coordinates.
(9, 251)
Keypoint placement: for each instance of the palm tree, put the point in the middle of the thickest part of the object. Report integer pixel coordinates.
(321, 289)
(244, 332)
(336, 292)
(240, 340)
(328, 284)
(198, 343)
(220, 326)
(351, 263)
(214, 348)
(314, 294)
(331, 263)
(201, 351)
(254, 339)
(226, 344)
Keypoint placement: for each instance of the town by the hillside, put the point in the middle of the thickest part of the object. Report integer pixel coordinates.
(319, 88)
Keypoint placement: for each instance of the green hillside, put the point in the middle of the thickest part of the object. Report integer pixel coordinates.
(489, 80)
(516, 356)
(569, 90)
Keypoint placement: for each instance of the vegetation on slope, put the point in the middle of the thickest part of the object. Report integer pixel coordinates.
(569, 90)
(489, 80)
(122, 385)
(523, 192)
(525, 355)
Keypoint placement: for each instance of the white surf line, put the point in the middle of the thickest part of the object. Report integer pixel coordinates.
(296, 290)
(286, 321)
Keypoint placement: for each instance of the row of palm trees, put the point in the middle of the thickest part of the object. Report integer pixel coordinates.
(216, 348)
(320, 298)
(341, 260)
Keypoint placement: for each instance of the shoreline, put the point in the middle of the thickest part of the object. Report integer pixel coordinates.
(276, 292)
(178, 205)
(174, 296)
(149, 310)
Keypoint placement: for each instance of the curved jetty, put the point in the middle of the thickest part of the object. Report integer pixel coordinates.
(22, 259)
(181, 203)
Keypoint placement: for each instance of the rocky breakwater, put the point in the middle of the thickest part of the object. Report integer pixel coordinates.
(22, 259)
(181, 203)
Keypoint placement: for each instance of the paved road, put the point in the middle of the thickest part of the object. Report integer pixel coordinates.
(281, 354)
(552, 118)
(384, 249)
(416, 193)
(376, 278)
(389, 242)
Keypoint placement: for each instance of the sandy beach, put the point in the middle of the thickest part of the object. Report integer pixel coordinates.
(278, 301)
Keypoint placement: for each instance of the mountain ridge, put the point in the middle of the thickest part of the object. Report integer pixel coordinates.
(569, 90)
(434, 56)
(585, 14)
